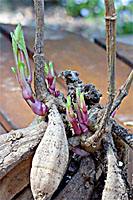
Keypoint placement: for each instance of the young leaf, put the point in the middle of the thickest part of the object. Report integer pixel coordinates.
(14, 71)
(14, 46)
(46, 69)
(77, 92)
(51, 68)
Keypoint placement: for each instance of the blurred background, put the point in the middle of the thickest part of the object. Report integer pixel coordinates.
(85, 17)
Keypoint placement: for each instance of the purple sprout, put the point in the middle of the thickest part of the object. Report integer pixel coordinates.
(20, 52)
(81, 111)
(71, 116)
(51, 78)
(113, 113)
(38, 107)
(80, 152)
(23, 72)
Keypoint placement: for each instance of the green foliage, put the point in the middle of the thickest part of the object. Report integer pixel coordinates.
(82, 8)
(95, 8)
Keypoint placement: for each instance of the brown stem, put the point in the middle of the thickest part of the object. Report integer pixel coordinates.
(110, 18)
(39, 58)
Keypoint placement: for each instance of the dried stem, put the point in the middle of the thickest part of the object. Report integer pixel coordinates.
(110, 18)
(39, 58)
(123, 92)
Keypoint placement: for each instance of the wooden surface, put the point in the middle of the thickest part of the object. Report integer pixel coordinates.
(67, 51)
(123, 51)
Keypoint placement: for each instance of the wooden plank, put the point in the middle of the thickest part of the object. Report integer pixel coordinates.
(19, 177)
(6, 122)
(67, 51)
(2, 129)
(123, 51)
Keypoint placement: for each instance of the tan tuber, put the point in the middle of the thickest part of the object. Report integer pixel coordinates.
(50, 159)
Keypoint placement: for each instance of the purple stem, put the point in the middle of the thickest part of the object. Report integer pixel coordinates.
(57, 93)
(79, 116)
(80, 152)
(73, 122)
(85, 118)
(84, 128)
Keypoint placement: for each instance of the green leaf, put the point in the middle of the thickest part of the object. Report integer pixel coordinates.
(75, 105)
(69, 101)
(29, 101)
(46, 69)
(14, 70)
(21, 66)
(17, 31)
(81, 99)
(18, 42)
(14, 46)
(51, 68)
(19, 38)
(21, 42)
(77, 92)
(34, 95)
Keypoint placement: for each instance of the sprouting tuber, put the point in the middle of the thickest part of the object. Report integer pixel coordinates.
(50, 159)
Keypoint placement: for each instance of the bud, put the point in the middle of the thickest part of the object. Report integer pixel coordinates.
(20, 52)
(79, 116)
(57, 93)
(51, 78)
(113, 113)
(71, 116)
(38, 107)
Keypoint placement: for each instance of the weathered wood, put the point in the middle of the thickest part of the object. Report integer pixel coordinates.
(18, 145)
(7, 123)
(123, 51)
(82, 183)
(15, 180)
(2, 129)
(25, 194)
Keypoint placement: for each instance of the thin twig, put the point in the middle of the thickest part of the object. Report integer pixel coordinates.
(39, 58)
(124, 90)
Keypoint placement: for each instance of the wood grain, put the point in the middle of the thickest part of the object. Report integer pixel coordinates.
(16, 146)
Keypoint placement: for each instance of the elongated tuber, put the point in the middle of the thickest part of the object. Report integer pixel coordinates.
(51, 158)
